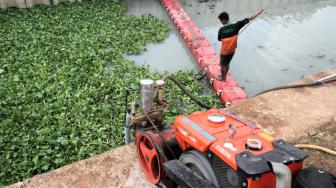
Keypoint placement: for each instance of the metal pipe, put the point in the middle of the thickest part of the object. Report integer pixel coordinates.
(147, 95)
(321, 80)
(327, 79)
(133, 112)
(160, 92)
(283, 175)
(127, 129)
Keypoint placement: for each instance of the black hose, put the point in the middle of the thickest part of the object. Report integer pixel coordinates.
(183, 89)
(314, 83)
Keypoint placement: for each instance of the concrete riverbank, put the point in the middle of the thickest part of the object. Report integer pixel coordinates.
(301, 115)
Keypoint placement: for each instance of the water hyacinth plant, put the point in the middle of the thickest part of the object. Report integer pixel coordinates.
(63, 81)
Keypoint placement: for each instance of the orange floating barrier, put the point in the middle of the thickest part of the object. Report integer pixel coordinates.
(204, 51)
(198, 43)
(204, 61)
(220, 85)
(232, 95)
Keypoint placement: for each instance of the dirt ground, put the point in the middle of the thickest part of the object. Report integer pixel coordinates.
(325, 136)
(302, 115)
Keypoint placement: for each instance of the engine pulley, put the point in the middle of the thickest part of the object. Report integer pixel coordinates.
(148, 146)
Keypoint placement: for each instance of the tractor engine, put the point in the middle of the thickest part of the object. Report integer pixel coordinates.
(212, 148)
(234, 152)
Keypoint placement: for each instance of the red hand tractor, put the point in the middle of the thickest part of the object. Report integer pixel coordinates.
(210, 148)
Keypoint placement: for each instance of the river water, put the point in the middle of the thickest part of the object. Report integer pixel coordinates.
(291, 39)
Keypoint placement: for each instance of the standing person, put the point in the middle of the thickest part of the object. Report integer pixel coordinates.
(228, 34)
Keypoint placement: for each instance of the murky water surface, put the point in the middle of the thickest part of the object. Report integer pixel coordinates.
(170, 55)
(292, 38)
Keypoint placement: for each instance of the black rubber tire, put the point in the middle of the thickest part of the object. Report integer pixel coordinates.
(199, 164)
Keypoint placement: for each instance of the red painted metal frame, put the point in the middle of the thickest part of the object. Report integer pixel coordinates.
(204, 54)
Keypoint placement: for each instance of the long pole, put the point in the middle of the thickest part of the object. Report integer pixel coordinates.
(247, 25)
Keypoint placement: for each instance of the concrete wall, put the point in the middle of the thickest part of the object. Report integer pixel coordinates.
(4, 4)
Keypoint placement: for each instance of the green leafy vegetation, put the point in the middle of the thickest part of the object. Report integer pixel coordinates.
(63, 78)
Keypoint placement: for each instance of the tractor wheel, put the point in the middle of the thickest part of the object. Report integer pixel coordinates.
(149, 157)
(200, 165)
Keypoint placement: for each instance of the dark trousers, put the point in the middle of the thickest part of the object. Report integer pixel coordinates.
(225, 64)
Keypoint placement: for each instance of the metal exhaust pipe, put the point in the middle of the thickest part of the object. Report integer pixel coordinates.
(282, 173)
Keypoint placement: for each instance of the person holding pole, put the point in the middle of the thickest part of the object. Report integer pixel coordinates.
(228, 35)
